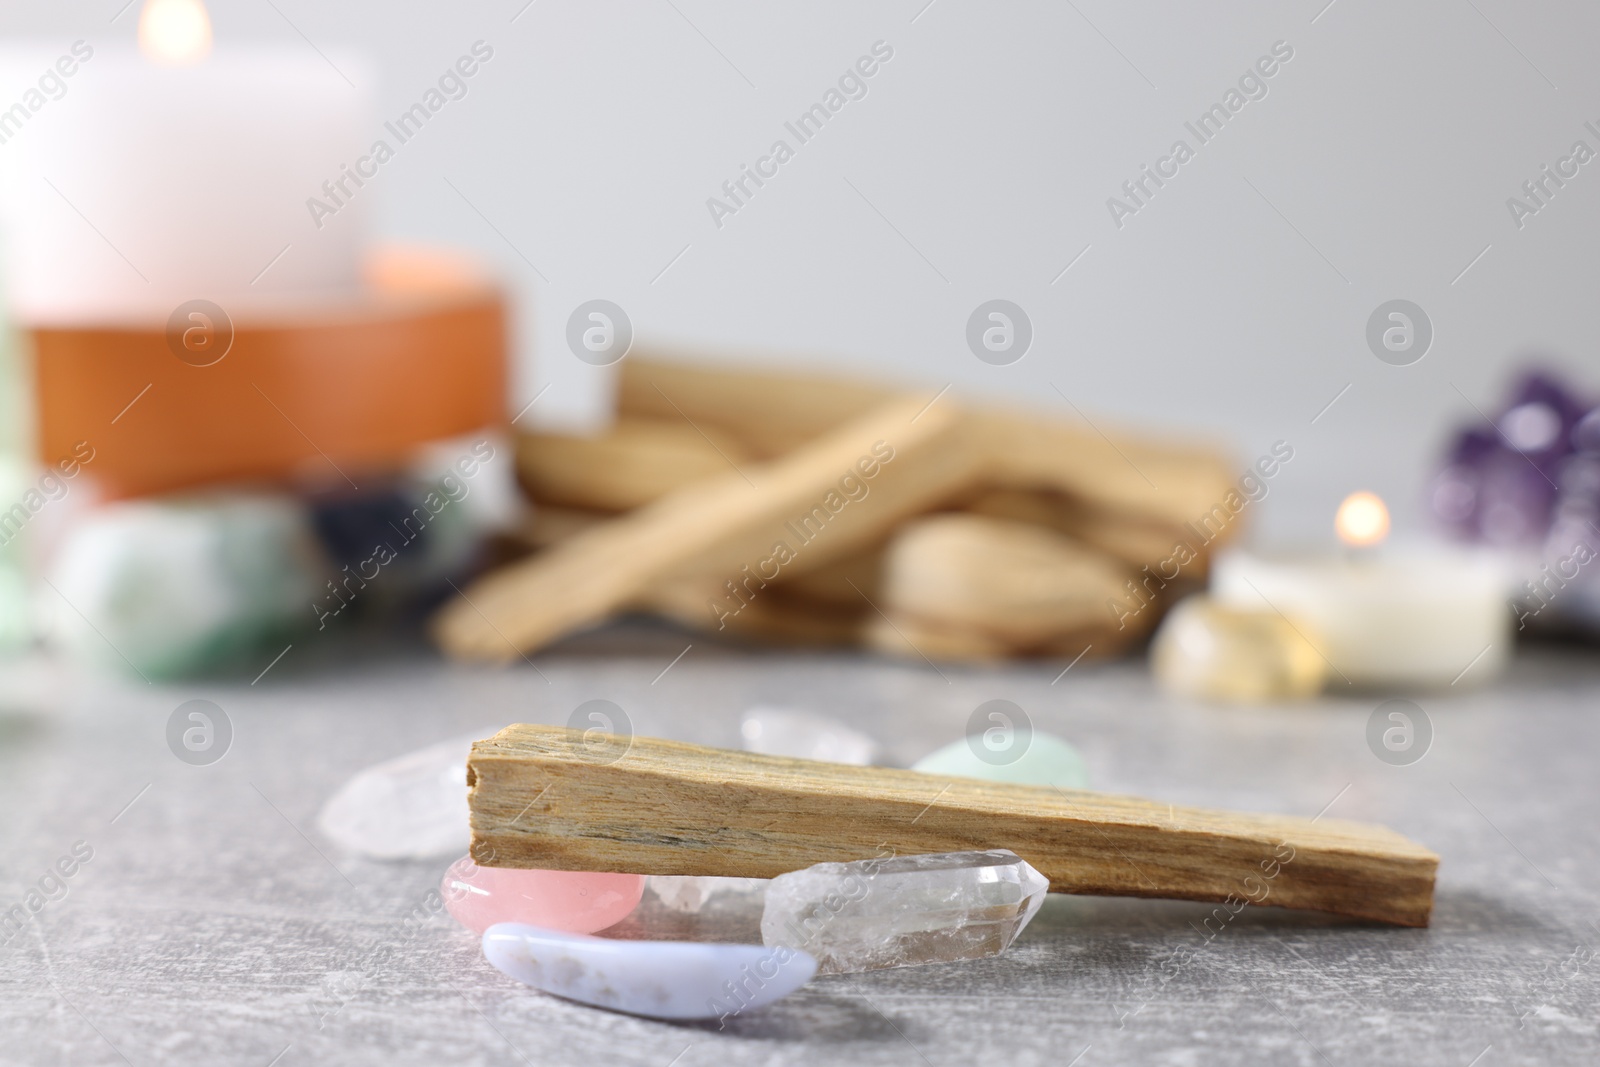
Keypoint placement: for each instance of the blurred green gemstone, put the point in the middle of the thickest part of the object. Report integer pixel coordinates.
(1039, 759)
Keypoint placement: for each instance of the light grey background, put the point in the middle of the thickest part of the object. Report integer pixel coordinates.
(1377, 167)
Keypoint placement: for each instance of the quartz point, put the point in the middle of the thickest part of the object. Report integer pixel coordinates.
(656, 979)
(1045, 760)
(411, 807)
(576, 901)
(803, 735)
(903, 910)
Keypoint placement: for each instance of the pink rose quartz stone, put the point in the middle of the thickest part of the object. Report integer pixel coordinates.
(575, 901)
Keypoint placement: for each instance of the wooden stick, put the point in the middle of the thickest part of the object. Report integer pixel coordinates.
(1156, 481)
(776, 616)
(772, 411)
(1167, 482)
(914, 638)
(726, 530)
(846, 584)
(1128, 538)
(549, 525)
(634, 463)
(553, 797)
(1019, 582)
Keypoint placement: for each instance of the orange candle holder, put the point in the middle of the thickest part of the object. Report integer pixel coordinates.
(275, 393)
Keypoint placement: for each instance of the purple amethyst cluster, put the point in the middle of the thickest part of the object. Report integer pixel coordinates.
(1530, 482)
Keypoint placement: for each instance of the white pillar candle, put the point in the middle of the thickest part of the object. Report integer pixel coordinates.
(1425, 617)
(131, 186)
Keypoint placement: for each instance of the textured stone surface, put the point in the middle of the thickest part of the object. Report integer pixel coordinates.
(657, 979)
(1043, 760)
(903, 910)
(576, 901)
(216, 925)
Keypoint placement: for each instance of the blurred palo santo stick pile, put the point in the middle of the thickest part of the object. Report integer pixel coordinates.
(807, 509)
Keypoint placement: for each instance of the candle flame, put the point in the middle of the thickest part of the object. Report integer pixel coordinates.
(1363, 519)
(175, 33)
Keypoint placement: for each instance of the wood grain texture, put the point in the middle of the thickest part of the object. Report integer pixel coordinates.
(723, 528)
(541, 796)
(1167, 482)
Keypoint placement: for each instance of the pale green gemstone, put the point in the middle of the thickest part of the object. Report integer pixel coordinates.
(1046, 760)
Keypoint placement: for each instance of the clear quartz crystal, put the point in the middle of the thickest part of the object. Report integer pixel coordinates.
(903, 910)
(803, 735)
(411, 807)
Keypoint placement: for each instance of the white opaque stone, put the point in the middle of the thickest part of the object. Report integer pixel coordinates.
(786, 732)
(904, 910)
(1044, 760)
(657, 979)
(410, 807)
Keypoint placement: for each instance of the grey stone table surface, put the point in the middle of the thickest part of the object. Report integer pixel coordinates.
(212, 924)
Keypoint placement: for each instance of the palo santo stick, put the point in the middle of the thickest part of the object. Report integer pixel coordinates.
(1128, 538)
(543, 797)
(774, 616)
(771, 411)
(725, 529)
(1161, 481)
(913, 638)
(907, 637)
(634, 463)
(550, 525)
(1018, 582)
(843, 584)
(825, 606)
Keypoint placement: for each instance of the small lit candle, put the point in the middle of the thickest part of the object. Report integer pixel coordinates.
(1362, 520)
(175, 33)
(1428, 617)
(138, 178)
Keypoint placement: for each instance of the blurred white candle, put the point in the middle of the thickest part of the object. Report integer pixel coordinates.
(154, 175)
(1400, 617)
